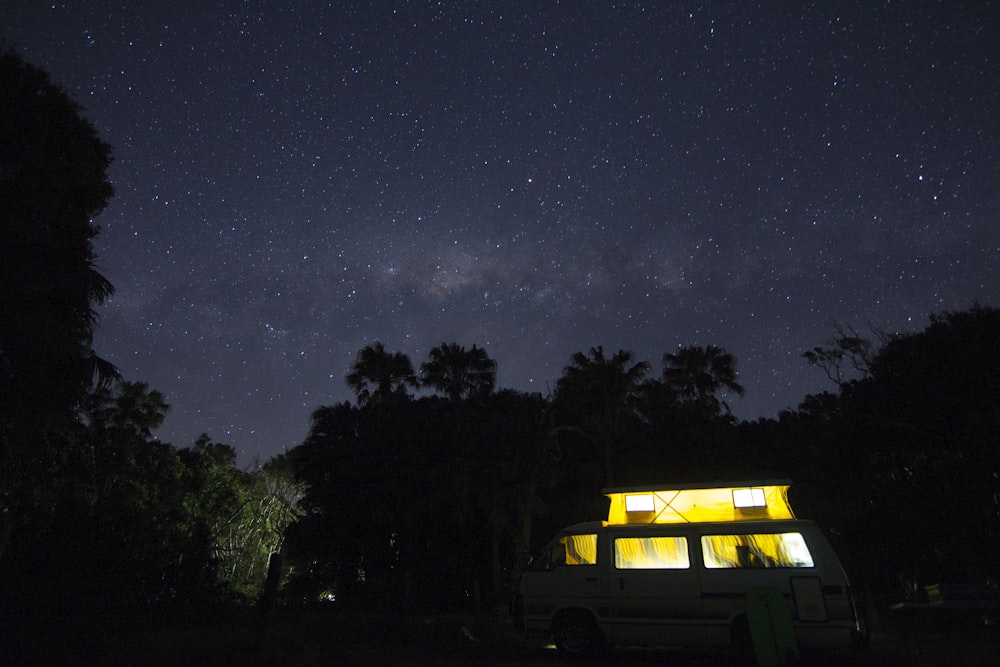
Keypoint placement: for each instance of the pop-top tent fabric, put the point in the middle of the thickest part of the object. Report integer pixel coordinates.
(699, 504)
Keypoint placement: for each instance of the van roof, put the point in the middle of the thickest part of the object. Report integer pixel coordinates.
(700, 503)
(728, 527)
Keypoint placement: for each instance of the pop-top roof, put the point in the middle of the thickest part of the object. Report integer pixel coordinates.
(757, 501)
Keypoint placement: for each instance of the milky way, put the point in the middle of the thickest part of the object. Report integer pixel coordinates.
(534, 178)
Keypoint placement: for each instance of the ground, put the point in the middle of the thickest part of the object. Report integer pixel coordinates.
(325, 636)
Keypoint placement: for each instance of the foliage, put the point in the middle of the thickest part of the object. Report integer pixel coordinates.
(241, 516)
(411, 504)
(53, 180)
(846, 356)
(134, 533)
(253, 531)
(459, 373)
(113, 543)
(402, 497)
(101, 526)
(697, 374)
(595, 402)
(433, 503)
(905, 461)
(378, 376)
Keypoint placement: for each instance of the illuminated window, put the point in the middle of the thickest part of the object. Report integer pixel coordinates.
(639, 503)
(760, 550)
(568, 550)
(749, 498)
(651, 553)
(580, 549)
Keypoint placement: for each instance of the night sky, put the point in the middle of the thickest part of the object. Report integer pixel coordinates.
(537, 178)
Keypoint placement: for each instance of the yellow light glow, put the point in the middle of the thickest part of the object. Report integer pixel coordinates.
(765, 501)
(580, 549)
(651, 553)
(755, 551)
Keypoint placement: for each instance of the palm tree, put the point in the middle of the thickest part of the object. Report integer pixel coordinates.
(611, 383)
(600, 392)
(459, 373)
(697, 374)
(128, 407)
(378, 376)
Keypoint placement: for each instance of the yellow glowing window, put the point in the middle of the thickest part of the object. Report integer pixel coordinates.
(580, 549)
(567, 550)
(651, 553)
(639, 503)
(749, 498)
(762, 550)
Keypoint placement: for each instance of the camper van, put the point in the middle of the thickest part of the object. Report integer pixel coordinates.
(690, 567)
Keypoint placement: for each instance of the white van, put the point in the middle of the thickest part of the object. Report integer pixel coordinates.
(681, 567)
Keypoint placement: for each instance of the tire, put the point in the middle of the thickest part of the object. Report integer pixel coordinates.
(576, 634)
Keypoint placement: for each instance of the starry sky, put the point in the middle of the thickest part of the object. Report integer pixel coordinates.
(295, 181)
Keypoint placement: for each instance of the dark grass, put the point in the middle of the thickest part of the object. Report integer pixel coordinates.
(332, 636)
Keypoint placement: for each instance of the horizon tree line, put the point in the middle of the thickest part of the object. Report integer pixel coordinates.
(694, 375)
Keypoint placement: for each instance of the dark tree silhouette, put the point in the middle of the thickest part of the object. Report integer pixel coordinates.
(697, 374)
(124, 527)
(408, 503)
(421, 504)
(378, 376)
(132, 407)
(459, 373)
(53, 181)
(597, 394)
(846, 357)
(903, 461)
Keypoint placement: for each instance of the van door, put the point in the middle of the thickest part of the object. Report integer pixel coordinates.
(565, 577)
(654, 597)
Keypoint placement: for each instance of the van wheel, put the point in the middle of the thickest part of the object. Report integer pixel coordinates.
(576, 634)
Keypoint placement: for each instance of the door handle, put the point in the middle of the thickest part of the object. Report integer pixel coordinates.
(591, 579)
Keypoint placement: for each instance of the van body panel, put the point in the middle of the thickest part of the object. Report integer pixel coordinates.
(566, 588)
(652, 605)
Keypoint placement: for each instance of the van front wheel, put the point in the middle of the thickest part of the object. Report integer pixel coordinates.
(576, 634)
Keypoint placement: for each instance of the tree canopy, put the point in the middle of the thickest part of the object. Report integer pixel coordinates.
(459, 373)
(102, 527)
(53, 181)
(698, 374)
(378, 376)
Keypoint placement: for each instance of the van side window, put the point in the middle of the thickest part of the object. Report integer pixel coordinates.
(755, 551)
(568, 550)
(651, 553)
(580, 549)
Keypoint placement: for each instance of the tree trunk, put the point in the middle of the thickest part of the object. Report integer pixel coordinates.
(269, 598)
